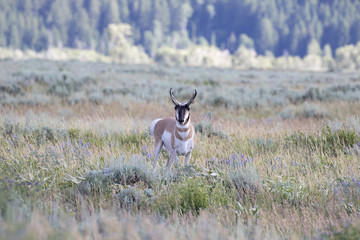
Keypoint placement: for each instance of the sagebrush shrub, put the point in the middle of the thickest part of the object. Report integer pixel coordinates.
(134, 198)
(245, 180)
(123, 171)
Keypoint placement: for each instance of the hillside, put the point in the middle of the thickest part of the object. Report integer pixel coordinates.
(277, 26)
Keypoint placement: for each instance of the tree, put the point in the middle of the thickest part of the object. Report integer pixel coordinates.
(109, 14)
(60, 18)
(94, 7)
(246, 41)
(181, 15)
(124, 10)
(145, 17)
(267, 36)
(313, 48)
(232, 42)
(14, 39)
(355, 31)
(80, 32)
(327, 51)
(162, 14)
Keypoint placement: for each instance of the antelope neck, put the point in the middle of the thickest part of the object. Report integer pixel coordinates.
(189, 135)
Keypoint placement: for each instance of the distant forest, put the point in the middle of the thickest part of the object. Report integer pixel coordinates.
(278, 26)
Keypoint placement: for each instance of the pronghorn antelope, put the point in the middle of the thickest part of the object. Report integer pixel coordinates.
(177, 134)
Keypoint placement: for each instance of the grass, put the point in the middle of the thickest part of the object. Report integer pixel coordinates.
(252, 175)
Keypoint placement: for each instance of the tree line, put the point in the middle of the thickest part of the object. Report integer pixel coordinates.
(276, 26)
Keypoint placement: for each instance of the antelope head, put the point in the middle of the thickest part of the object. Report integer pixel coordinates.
(182, 110)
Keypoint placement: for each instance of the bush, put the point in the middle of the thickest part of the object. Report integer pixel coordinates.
(134, 198)
(351, 231)
(305, 111)
(243, 176)
(191, 195)
(288, 190)
(125, 172)
(264, 145)
(236, 172)
(206, 129)
(330, 141)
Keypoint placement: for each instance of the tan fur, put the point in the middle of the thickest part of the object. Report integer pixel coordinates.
(169, 125)
(190, 133)
(165, 124)
(178, 135)
(182, 129)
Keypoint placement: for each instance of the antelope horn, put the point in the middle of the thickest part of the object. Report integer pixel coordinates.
(192, 98)
(176, 102)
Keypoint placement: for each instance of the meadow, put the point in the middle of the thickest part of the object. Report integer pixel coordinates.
(277, 155)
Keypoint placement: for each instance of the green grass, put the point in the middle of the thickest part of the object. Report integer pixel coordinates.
(43, 166)
(252, 174)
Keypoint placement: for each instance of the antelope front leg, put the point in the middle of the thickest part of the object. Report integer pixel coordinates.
(171, 160)
(187, 158)
(157, 152)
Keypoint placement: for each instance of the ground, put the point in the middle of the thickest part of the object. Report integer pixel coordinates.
(277, 154)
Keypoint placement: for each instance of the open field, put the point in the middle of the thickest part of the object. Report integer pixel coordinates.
(277, 156)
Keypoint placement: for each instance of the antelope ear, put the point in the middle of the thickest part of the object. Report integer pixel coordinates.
(191, 101)
(173, 99)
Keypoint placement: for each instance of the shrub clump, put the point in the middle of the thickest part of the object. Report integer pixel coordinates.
(190, 195)
(351, 231)
(134, 198)
(207, 129)
(331, 141)
(124, 172)
(306, 111)
(244, 177)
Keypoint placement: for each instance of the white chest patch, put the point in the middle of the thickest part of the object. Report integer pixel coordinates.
(183, 147)
(183, 135)
(180, 147)
(166, 137)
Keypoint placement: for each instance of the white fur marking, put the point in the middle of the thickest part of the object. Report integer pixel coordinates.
(183, 135)
(186, 115)
(152, 127)
(166, 137)
(183, 126)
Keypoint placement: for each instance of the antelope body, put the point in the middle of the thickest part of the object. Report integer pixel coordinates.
(177, 134)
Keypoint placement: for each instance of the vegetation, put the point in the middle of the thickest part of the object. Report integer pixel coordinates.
(45, 83)
(277, 153)
(275, 26)
(294, 35)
